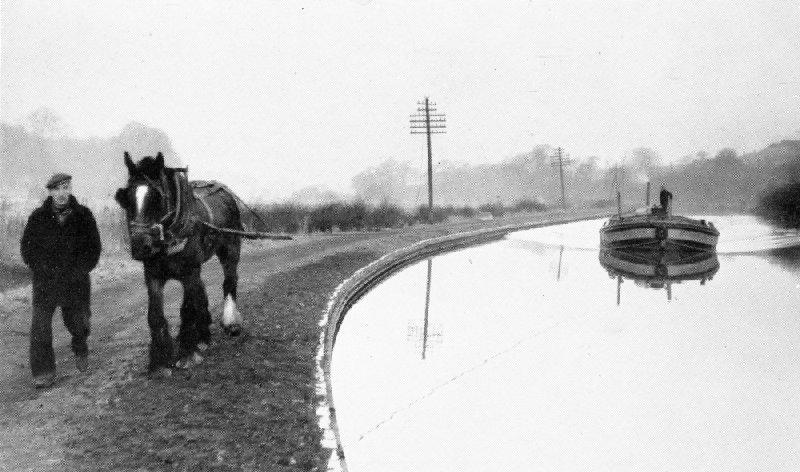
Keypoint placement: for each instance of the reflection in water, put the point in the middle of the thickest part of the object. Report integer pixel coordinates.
(428, 334)
(658, 269)
(560, 255)
(427, 308)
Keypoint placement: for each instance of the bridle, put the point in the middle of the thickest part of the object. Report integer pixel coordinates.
(166, 233)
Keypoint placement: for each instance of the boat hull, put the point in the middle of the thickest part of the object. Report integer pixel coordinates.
(646, 231)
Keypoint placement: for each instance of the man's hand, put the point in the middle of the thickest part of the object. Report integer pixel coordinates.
(44, 269)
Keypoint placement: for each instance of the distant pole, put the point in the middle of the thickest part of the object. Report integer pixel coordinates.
(561, 162)
(561, 173)
(647, 197)
(427, 122)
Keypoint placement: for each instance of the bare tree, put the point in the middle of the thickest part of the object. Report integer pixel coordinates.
(46, 123)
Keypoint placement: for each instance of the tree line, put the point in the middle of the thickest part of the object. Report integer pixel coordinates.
(719, 183)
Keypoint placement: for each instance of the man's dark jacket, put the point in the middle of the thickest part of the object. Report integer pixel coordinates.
(61, 255)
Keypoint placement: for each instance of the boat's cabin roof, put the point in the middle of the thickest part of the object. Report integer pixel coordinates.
(655, 218)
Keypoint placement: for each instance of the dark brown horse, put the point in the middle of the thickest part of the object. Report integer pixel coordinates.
(175, 226)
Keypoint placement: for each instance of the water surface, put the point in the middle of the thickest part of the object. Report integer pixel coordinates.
(528, 354)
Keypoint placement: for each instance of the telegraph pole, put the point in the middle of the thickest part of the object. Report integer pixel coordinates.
(428, 122)
(561, 161)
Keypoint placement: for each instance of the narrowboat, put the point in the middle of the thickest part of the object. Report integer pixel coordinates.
(658, 229)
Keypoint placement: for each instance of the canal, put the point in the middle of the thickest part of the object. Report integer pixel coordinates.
(531, 354)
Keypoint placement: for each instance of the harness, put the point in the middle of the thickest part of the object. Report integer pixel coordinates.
(170, 230)
(201, 189)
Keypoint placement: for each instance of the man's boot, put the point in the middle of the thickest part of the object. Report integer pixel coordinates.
(44, 380)
(82, 363)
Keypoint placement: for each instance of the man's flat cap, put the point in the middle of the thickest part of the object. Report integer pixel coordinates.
(56, 179)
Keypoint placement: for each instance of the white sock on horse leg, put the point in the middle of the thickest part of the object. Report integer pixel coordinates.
(230, 314)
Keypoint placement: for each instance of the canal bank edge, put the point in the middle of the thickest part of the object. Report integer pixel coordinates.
(361, 281)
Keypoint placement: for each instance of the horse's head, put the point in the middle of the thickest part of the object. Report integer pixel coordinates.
(146, 201)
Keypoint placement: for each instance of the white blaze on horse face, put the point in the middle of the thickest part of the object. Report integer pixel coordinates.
(141, 193)
(230, 314)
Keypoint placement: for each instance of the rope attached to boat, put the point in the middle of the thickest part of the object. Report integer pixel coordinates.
(247, 234)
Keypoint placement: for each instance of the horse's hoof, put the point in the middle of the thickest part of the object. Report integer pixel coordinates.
(202, 347)
(189, 361)
(161, 373)
(233, 330)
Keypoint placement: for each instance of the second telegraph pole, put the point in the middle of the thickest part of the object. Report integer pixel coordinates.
(560, 161)
(428, 122)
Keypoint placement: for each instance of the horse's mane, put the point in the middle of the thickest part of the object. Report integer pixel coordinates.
(147, 167)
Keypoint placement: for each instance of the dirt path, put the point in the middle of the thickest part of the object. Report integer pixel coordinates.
(249, 406)
(30, 429)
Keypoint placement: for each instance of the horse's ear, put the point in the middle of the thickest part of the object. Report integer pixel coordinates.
(129, 163)
(159, 160)
(122, 198)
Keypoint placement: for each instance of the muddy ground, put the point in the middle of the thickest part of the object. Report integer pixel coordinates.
(249, 406)
(12, 275)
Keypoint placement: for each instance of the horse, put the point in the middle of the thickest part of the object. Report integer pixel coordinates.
(175, 226)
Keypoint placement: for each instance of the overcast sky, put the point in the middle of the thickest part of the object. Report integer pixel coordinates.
(272, 96)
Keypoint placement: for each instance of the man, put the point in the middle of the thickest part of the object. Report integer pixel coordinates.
(61, 245)
(665, 198)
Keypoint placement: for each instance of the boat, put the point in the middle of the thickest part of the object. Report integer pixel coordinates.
(658, 227)
(631, 231)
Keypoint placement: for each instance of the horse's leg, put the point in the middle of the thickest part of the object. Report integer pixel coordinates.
(160, 340)
(228, 254)
(203, 320)
(194, 303)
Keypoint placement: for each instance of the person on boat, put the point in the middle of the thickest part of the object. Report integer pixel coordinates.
(665, 198)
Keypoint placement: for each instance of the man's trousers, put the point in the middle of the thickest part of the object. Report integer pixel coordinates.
(76, 313)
